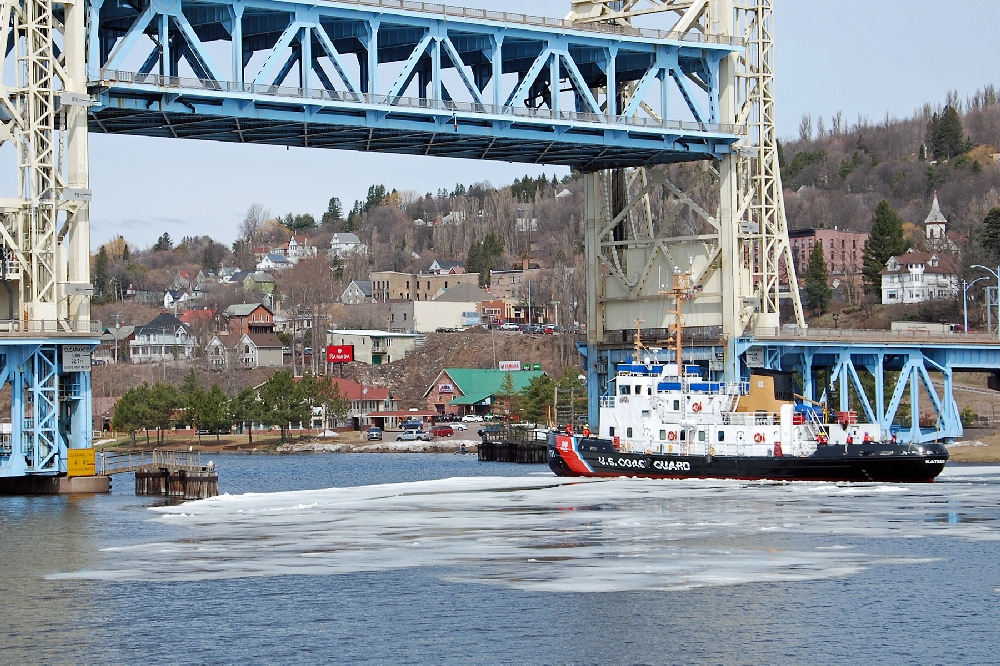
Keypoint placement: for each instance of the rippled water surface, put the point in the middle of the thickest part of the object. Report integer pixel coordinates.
(442, 559)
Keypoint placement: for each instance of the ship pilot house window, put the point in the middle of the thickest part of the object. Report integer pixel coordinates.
(702, 436)
(663, 434)
(677, 405)
(649, 390)
(628, 432)
(683, 435)
(722, 435)
(625, 389)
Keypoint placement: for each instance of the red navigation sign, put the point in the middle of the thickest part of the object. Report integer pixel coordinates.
(340, 354)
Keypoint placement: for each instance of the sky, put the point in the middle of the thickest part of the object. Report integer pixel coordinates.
(856, 56)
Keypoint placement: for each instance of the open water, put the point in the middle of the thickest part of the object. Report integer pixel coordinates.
(414, 559)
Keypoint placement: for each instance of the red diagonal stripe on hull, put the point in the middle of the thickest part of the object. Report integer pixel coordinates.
(572, 457)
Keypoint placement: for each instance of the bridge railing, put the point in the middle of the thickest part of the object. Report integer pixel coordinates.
(336, 96)
(869, 335)
(543, 21)
(119, 463)
(49, 326)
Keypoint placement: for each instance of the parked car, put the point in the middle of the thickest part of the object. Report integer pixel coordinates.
(375, 433)
(442, 431)
(509, 326)
(549, 329)
(472, 418)
(488, 430)
(414, 435)
(446, 329)
(460, 426)
(531, 329)
(413, 424)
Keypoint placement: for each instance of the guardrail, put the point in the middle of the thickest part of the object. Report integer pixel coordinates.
(119, 463)
(55, 326)
(323, 95)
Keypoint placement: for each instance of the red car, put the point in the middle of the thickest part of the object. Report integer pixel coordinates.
(442, 431)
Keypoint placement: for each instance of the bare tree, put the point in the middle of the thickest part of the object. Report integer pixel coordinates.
(805, 127)
(253, 222)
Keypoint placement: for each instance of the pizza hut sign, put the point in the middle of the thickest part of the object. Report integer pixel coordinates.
(340, 354)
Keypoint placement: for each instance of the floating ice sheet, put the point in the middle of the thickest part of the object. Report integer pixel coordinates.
(546, 533)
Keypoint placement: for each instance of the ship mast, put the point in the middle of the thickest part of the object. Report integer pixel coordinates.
(681, 291)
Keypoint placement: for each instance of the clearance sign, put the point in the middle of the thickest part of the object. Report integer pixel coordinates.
(340, 354)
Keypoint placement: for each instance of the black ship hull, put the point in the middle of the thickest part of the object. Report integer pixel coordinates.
(875, 462)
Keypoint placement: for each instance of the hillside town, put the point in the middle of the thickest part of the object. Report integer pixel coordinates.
(886, 223)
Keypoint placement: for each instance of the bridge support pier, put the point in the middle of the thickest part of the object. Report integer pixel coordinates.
(55, 485)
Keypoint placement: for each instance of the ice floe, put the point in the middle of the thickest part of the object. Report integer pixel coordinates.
(547, 533)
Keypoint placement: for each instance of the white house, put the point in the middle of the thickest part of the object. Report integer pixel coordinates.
(344, 245)
(174, 298)
(916, 277)
(273, 262)
(296, 250)
(249, 350)
(164, 339)
(359, 291)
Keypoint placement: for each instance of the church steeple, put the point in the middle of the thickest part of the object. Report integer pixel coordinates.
(936, 223)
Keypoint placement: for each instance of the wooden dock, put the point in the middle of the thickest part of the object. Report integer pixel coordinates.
(170, 473)
(514, 445)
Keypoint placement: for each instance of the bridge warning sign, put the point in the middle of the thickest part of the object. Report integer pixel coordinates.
(76, 358)
(80, 462)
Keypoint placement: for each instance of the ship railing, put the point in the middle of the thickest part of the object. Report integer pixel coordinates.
(750, 419)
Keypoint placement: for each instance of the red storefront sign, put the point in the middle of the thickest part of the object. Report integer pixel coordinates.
(340, 354)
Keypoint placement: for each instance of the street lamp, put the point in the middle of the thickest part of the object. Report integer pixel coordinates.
(965, 300)
(996, 274)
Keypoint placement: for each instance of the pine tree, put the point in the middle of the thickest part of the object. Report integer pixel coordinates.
(507, 392)
(945, 135)
(100, 276)
(991, 231)
(885, 240)
(817, 286)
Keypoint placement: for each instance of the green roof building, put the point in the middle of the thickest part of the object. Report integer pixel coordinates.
(464, 391)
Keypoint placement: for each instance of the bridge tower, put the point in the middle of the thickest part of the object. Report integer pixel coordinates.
(45, 331)
(738, 253)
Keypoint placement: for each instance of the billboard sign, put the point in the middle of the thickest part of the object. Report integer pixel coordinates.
(510, 366)
(446, 388)
(340, 354)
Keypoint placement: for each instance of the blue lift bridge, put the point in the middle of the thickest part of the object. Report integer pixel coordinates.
(391, 76)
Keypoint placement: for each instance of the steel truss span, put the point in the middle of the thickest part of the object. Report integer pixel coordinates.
(408, 77)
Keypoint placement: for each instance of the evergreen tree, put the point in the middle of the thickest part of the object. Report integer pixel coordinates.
(535, 399)
(125, 252)
(945, 135)
(132, 412)
(100, 276)
(334, 212)
(163, 243)
(164, 401)
(991, 231)
(817, 286)
(208, 410)
(283, 402)
(484, 256)
(885, 240)
(245, 409)
(376, 197)
(507, 392)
